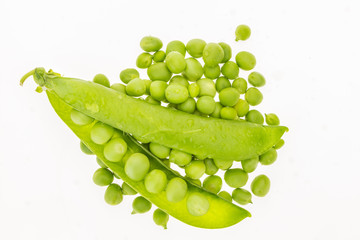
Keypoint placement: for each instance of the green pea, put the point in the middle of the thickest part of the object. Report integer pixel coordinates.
(103, 177)
(176, 93)
(223, 164)
(144, 60)
(230, 70)
(225, 195)
(176, 46)
(207, 87)
(115, 149)
(188, 106)
(242, 32)
(240, 84)
(102, 80)
(254, 116)
(279, 144)
(176, 190)
(155, 181)
(127, 190)
(268, 157)
(113, 194)
(213, 54)
(193, 70)
(159, 56)
(177, 79)
(197, 204)
(195, 169)
(159, 150)
(175, 62)
(129, 74)
(212, 72)
(272, 119)
(151, 44)
(161, 218)
(210, 167)
(180, 158)
(228, 113)
(141, 205)
(147, 84)
(85, 149)
(241, 196)
(256, 79)
(236, 177)
(253, 96)
(79, 118)
(119, 87)
(137, 166)
(100, 162)
(101, 133)
(194, 89)
(194, 181)
(157, 90)
(159, 71)
(195, 47)
(136, 87)
(245, 60)
(260, 186)
(151, 100)
(217, 110)
(212, 184)
(221, 83)
(205, 104)
(229, 96)
(249, 165)
(242, 107)
(227, 52)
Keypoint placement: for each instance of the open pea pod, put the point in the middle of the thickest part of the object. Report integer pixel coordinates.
(220, 213)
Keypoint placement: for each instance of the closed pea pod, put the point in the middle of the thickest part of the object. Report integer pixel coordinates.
(175, 62)
(227, 52)
(245, 60)
(151, 44)
(197, 204)
(260, 186)
(213, 54)
(195, 47)
(256, 79)
(140, 205)
(176, 46)
(254, 116)
(144, 60)
(212, 184)
(137, 166)
(241, 196)
(103, 177)
(236, 177)
(253, 96)
(102, 80)
(250, 165)
(176, 190)
(193, 70)
(113, 194)
(159, 71)
(268, 157)
(240, 84)
(128, 74)
(230, 70)
(272, 119)
(160, 218)
(155, 181)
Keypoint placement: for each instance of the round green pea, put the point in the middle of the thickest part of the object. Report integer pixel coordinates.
(147, 84)
(212, 184)
(217, 110)
(241, 196)
(137, 166)
(213, 54)
(205, 104)
(151, 44)
(229, 96)
(272, 119)
(195, 169)
(176, 93)
(240, 84)
(157, 90)
(176, 46)
(256, 79)
(127, 190)
(115, 149)
(242, 107)
(159, 71)
(159, 56)
(100, 162)
(102, 80)
(180, 158)
(85, 149)
(103, 177)
(227, 52)
(151, 100)
(195, 47)
(177, 79)
(225, 195)
(161, 218)
(155, 181)
(207, 87)
(128, 74)
(197, 204)
(188, 106)
(253, 96)
(175, 62)
(176, 190)
(245, 60)
(279, 144)
(144, 60)
(79, 118)
(194, 90)
(221, 83)
(230, 70)
(101, 133)
(210, 167)
(141, 205)
(223, 164)
(212, 72)
(113, 194)
(193, 70)
(242, 32)
(136, 87)
(269, 157)
(236, 177)
(119, 87)
(249, 165)
(159, 150)
(254, 116)
(260, 186)
(228, 113)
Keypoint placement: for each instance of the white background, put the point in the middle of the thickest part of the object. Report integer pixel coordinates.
(308, 50)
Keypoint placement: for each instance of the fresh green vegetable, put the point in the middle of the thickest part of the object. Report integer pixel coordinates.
(102, 80)
(113, 194)
(195, 47)
(129, 74)
(236, 177)
(245, 60)
(260, 186)
(272, 119)
(141, 205)
(213, 54)
(253, 96)
(242, 32)
(176, 46)
(212, 183)
(256, 79)
(144, 60)
(241, 196)
(268, 157)
(151, 44)
(103, 177)
(161, 218)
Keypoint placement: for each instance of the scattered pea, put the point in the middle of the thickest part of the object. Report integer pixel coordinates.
(101, 133)
(195, 47)
(256, 79)
(115, 149)
(254, 116)
(217, 110)
(197, 204)
(193, 70)
(242, 32)
(240, 84)
(103, 177)
(279, 144)
(195, 169)
(85, 149)
(269, 157)
(136, 87)
(175, 62)
(230, 70)
(242, 107)
(229, 96)
(225, 195)
(100, 162)
(176, 93)
(223, 164)
(159, 71)
(228, 113)
(236, 177)
(127, 190)
(102, 80)
(151, 100)
(188, 106)
(245, 60)
(141, 205)
(260, 186)
(212, 183)
(194, 90)
(205, 104)
(207, 87)
(210, 167)
(161, 218)
(113, 194)
(159, 56)
(177, 46)
(241, 196)
(213, 54)
(155, 181)
(227, 52)
(119, 87)
(151, 44)
(179, 157)
(129, 74)
(177, 79)
(212, 72)
(144, 60)
(221, 83)
(159, 150)
(253, 96)
(137, 166)
(272, 119)
(176, 190)
(79, 118)
(157, 90)
(249, 165)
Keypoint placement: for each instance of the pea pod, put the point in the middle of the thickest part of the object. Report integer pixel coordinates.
(220, 214)
(206, 137)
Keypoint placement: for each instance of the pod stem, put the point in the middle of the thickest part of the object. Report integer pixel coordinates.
(26, 76)
(40, 76)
